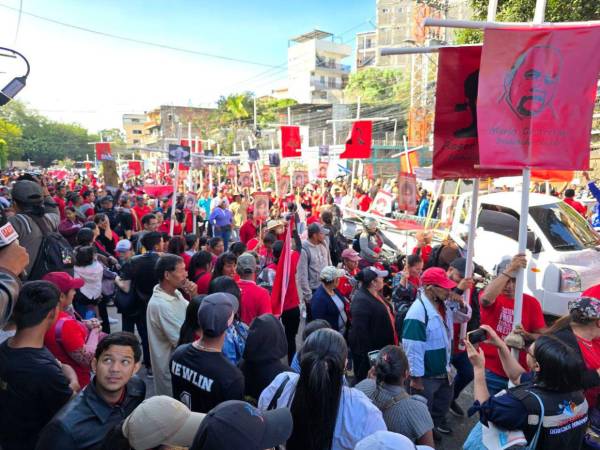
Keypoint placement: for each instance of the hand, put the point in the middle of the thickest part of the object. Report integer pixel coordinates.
(371, 374)
(92, 323)
(190, 288)
(71, 376)
(518, 261)
(417, 384)
(14, 258)
(526, 334)
(493, 337)
(475, 354)
(465, 283)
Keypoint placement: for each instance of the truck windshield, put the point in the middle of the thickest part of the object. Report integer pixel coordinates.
(564, 227)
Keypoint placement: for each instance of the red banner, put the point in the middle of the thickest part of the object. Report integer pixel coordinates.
(536, 97)
(192, 146)
(261, 206)
(358, 144)
(103, 151)
(407, 192)
(158, 191)
(135, 167)
(290, 142)
(552, 175)
(455, 147)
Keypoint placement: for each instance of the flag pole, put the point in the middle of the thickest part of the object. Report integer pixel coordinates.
(354, 159)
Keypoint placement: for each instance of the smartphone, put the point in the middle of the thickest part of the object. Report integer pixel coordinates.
(477, 336)
(373, 357)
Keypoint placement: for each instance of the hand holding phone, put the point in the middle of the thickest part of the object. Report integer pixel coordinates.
(477, 336)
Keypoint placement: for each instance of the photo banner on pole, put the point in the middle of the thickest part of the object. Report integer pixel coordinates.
(290, 142)
(358, 143)
(245, 179)
(536, 97)
(261, 206)
(407, 192)
(284, 186)
(103, 151)
(300, 179)
(455, 145)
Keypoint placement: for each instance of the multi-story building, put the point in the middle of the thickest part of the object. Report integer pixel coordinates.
(366, 49)
(315, 70)
(133, 124)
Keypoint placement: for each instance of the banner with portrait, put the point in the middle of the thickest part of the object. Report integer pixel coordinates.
(261, 206)
(382, 203)
(407, 192)
(300, 179)
(245, 179)
(231, 171)
(265, 174)
(284, 186)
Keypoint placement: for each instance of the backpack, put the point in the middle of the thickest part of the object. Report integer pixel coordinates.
(402, 310)
(55, 253)
(434, 257)
(356, 242)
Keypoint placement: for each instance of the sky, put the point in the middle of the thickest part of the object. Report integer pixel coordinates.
(93, 79)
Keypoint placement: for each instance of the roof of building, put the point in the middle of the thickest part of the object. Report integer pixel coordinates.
(314, 34)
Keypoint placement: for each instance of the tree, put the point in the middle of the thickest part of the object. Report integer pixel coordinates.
(374, 85)
(522, 11)
(10, 136)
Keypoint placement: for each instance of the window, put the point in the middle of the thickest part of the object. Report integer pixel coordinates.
(136, 141)
(497, 219)
(136, 132)
(135, 120)
(385, 10)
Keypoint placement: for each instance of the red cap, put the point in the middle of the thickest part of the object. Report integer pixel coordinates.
(63, 281)
(438, 277)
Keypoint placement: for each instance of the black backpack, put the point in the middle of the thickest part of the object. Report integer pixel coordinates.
(55, 253)
(434, 257)
(356, 242)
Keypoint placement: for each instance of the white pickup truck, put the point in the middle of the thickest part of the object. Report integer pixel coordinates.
(563, 250)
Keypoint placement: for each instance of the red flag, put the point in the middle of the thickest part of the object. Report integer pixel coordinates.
(103, 151)
(552, 175)
(192, 146)
(536, 97)
(158, 191)
(135, 167)
(358, 145)
(455, 149)
(88, 166)
(290, 142)
(282, 276)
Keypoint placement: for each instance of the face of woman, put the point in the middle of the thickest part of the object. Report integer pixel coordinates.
(350, 265)
(377, 284)
(229, 269)
(416, 270)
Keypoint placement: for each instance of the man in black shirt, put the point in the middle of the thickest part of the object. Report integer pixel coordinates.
(33, 384)
(111, 396)
(140, 274)
(200, 375)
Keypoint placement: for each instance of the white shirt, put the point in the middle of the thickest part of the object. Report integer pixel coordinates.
(357, 417)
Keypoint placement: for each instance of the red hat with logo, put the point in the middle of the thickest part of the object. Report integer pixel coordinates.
(437, 276)
(63, 281)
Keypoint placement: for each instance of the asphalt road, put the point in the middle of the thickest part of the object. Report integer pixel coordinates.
(460, 425)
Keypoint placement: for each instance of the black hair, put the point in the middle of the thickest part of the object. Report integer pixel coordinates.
(84, 195)
(570, 193)
(147, 218)
(166, 237)
(202, 240)
(187, 333)
(327, 217)
(228, 285)
(84, 255)
(91, 225)
(70, 208)
(151, 240)
(413, 260)
(269, 238)
(84, 236)
(200, 260)
(561, 367)
(166, 263)
(238, 248)
(123, 338)
(214, 241)
(318, 392)
(224, 258)
(391, 365)
(99, 218)
(313, 326)
(176, 245)
(35, 301)
(277, 249)
(190, 240)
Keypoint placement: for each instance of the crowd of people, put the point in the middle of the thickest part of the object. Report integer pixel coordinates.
(240, 333)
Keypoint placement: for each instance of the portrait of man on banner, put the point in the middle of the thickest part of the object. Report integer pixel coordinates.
(178, 153)
(284, 185)
(231, 171)
(266, 175)
(261, 206)
(323, 165)
(300, 179)
(382, 203)
(245, 179)
(274, 160)
(536, 97)
(407, 192)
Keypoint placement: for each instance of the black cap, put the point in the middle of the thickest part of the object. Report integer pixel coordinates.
(215, 311)
(237, 425)
(106, 198)
(27, 192)
(460, 264)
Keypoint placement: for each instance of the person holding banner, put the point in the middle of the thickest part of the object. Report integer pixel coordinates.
(222, 221)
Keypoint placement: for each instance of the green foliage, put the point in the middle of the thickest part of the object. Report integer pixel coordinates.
(267, 109)
(10, 136)
(375, 85)
(113, 135)
(43, 140)
(522, 11)
(3, 153)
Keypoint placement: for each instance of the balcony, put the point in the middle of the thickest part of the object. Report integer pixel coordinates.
(321, 64)
(317, 84)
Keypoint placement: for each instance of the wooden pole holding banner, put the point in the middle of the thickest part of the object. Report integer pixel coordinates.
(405, 140)
(175, 189)
(354, 159)
(194, 190)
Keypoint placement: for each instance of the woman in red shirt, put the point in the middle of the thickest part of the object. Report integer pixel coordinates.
(200, 271)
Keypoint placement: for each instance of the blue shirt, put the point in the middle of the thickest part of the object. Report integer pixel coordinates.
(221, 217)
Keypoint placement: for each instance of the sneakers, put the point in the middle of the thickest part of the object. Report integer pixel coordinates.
(149, 373)
(443, 429)
(456, 409)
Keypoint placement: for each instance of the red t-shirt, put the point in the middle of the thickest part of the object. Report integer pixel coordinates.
(61, 206)
(255, 301)
(202, 282)
(186, 259)
(499, 316)
(247, 231)
(141, 211)
(590, 350)
(576, 205)
(73, 337)
(424, 253)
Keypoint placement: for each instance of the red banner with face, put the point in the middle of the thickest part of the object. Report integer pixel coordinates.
(103, 151)
(135, 167)
(358, 144)
(455, 147)
(407, 192)
(536, 97)
(192, 145)
(261, 206)
(290, 142)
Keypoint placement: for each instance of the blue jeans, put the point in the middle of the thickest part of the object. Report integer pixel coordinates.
(495, 383)
(224, 234)
(464, 372)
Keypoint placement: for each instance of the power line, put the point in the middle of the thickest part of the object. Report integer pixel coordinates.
(139, 41)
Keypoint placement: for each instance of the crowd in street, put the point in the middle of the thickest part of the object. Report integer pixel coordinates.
(255, 333)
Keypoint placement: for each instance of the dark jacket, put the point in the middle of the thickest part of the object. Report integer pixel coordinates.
(322, 306)
(371, 329)
(140, 270)
(84, 421)
(266, 345)
(10, 285)
(591, 378)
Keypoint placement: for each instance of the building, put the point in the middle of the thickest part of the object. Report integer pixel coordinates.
(133, 124)
(366, 49)
(315, 71)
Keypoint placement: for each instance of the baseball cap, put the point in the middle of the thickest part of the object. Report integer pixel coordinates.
(124, 245)
(214, 313)
(588, 307)
(386, 440)
(330, 273)
(161, 420)
(503, 265)
(63, 281)
(460, 264)
(369, 273)
(315, 228)
(273, 224)
(237, 425)
(350, 254)
(437, 276)
(106, 198)
(28, 192)
(246, 263)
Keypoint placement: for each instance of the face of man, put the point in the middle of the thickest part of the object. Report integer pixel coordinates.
(438, 293)
(509, 288)
(70, 215)
(229, 269)
(177, 277)
(152, 225)
(535, 81)
(114, 368)
(140, 202)
(350, 265)
(218, 249)
(454, 275)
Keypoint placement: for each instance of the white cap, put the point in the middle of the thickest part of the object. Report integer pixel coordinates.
(386, 440)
